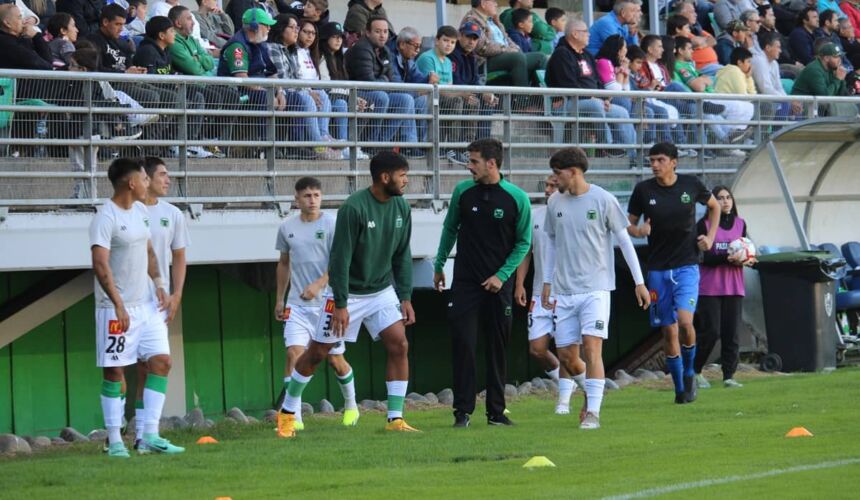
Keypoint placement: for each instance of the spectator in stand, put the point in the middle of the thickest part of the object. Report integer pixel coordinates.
(851, 8)
(765, 73)
(736, 77)
(436, 62)
(407, 45)
(825, 5)
(245, 56)
(359, 13)
(216, 27)
(162, 8)
(370, 61)
(316, 11)
(652, 75)
(848, 39)
(768, 26)
(333, 67)
(135, 25)
(703, 42)
(295, 60)
(43, 9)
(64, 34)
(542, 34)
(556, 18)
(734, 111)
(735, 35)
(153, 52)
(572, 67)
(494, 45)
(520, 33)
(752, 21)
(236, 9)
(189, 58)
(802, 39)
(21, 46)
(625, 13)
(824, 76)
(86, 13)
(726, 11)
(466, 71)
(828, 28)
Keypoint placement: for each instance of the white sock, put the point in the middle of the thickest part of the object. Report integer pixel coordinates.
(347, 389)
(594, 393)
(139, 420)
(553, 374)
(293, 404)
(580, 381)
(112, 411)
(153, 404)
(565, 390)
(396, 397)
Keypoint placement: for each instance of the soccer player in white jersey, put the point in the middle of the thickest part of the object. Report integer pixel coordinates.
(304, 241)
(169, 235)
(129, 325)
(580, 269)
(541, 322)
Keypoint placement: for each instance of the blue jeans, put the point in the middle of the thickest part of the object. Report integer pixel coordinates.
(624, 132)
(339, 128)
(393, 102)
(307, 128)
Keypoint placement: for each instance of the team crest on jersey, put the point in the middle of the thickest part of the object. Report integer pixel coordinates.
(114, 327)
(498, 213)
(591, 215)
(165, 222)
(238, 57)
(146, 221)
(685, 198)
(398, 222)
(508, 311)
(320, 234)
(329, 306)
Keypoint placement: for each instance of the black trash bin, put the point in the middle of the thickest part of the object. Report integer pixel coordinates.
(799, 300)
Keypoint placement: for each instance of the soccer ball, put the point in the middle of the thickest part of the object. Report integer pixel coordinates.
(743, 249)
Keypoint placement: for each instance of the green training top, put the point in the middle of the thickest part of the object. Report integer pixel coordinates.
(370, 247)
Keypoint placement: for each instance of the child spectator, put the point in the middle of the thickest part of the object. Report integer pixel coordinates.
(152, 53)
(136, 25)
(64, 34)
(522, 24)
(556, 18)
(736, 77)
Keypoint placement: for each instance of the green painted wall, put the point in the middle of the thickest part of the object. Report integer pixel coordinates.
(234, 353)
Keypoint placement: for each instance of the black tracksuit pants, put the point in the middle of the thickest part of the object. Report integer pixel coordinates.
(718, 318)
(473, 311)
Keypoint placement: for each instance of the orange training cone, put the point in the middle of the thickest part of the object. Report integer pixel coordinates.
(798, 432)
(207, 440)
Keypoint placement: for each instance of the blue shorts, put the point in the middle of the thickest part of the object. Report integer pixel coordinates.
(671, 290)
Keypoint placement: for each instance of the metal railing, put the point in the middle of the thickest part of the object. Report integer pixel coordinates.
(59, 131)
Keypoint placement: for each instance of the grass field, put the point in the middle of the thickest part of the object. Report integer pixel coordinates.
(729, 444)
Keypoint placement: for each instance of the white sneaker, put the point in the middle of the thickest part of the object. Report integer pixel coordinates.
(689, 153)
(702, 382)
(198, 152)
(359, 154)
(731, 383)
(735, 152)
(561, 409)
(591, 421)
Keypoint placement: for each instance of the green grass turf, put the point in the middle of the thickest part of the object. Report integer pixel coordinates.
(646, 442)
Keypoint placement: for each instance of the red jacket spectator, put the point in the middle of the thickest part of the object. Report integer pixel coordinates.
(852, 10)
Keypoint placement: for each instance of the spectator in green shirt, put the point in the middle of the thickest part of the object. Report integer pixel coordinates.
(825, 76)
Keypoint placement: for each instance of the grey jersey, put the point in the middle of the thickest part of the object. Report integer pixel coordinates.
(581, 228)
(540, 240)
(169, 232)
(309, 246)
(126, 234)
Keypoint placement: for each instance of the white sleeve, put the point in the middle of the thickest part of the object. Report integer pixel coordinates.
(549, 251)
(180, 231)
(618, 225)
(100, 231)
